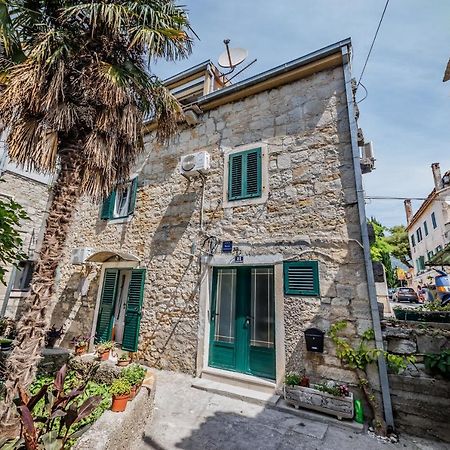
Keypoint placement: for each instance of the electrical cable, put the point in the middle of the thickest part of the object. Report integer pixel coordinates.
(373, 42)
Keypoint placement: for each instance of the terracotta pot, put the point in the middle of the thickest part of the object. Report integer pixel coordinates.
(104, 356)
(119, 402)
(123, 362)
(133, 392)
(80, 350)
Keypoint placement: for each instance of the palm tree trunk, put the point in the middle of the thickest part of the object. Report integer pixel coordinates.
(22, 363)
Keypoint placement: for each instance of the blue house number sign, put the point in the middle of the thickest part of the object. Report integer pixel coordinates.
(227, 246)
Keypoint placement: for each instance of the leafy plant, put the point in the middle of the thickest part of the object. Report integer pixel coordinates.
(51, 417)
(438, 363)
(124, 356)
(105, 346)
(433, 306)
(121, 386)
(336, 389)
(134, 374)
(292, 379)
(11, 214)
(80, 340)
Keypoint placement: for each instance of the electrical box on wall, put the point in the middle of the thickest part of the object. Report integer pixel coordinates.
(195, 164)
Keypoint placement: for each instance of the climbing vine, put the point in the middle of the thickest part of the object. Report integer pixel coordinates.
(359, 357)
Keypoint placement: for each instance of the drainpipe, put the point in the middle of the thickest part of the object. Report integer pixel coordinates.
(382, 369)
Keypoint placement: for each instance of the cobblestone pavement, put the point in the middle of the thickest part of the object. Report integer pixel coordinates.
(187, 418)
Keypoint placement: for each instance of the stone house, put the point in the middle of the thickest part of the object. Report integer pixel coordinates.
(220, 274)
(31, 190)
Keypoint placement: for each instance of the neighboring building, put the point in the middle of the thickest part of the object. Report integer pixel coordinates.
(221, 274)
(31, 190)
(429, 228)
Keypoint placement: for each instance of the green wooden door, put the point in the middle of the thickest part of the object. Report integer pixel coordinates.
(242, 337)
(105, 316)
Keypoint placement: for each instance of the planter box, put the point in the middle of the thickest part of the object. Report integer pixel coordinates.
(309, 398)
(422, 316)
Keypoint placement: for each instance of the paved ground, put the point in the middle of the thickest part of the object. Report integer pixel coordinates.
(187, 418)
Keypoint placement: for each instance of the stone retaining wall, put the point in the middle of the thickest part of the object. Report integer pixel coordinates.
(421, 402)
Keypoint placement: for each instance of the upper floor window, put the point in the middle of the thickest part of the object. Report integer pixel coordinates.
(430, 254)
(22, 276)
(419, 234)
(413, 240)
(425, 228)
(433, 220)
(120, 203)
(438, 248)
(244, 174)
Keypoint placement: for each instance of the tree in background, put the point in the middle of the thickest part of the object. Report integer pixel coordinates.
(75, 87)
(381, 250)
(399, 244)
(11, 213)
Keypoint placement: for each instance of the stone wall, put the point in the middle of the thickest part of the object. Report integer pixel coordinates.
(311, 213)
(33, 196)
(421, 401)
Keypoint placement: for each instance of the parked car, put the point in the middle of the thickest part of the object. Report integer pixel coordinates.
(405, 294)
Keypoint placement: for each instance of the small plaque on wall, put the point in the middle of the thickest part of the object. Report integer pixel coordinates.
(239, 259)
(227, 246)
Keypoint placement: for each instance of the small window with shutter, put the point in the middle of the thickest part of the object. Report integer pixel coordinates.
(244, 175)
(121, 202)
(301, 278)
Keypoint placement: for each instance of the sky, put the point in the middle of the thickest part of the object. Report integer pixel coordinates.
(407, 111)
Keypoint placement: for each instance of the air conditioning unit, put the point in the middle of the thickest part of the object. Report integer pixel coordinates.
(195, 163)
(79, 255)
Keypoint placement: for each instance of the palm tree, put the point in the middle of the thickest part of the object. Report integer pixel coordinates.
(75, 86)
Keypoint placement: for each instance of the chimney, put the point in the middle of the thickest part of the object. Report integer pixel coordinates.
(408, 210)
(437, 176)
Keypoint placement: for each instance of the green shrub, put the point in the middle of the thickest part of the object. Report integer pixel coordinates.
(104, 346)
(292, 379)
(134, 374)
(121, 386)
(438, 363)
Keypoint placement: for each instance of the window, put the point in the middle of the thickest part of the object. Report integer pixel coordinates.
(22, 276)
(419, 234)
(420, 263)
(120, 203)
(425, 227)
(433, 220)
(430, 254)
(438, 248)
(413, 240)
(244, 174)
(301, 278)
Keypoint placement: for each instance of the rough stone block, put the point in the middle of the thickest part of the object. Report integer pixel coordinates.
(402, 346)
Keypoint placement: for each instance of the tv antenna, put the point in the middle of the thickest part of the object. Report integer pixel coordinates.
(231, 58)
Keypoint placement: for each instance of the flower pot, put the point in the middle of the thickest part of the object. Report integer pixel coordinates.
(119, 402)
(104, 356)
(5, 345)
(80, 349)
(123, 362)
(309, 398)
(135, 390)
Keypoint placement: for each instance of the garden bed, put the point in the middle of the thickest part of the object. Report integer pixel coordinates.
(422, 316)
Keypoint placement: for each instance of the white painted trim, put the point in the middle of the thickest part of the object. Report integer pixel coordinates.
(264, 175)
(107, 265)
(228, 259)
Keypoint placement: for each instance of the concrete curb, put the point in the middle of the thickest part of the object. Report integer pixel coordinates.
(116, 431)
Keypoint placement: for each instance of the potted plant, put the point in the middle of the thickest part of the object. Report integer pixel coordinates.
(104, 349)
(124, 360)
(53, 334)
(5, 344)
(80, 343)
(120, 390)
(135, 375)
(327, 397)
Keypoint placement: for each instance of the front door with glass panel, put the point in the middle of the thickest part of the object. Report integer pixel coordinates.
(242, 335)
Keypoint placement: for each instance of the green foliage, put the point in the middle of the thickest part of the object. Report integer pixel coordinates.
(336, 389)
(292, 379)
(438, 363)
(433, 306)
(121, 386)
(104, 346)
(134, 374)
(399, 244)
(124, 356)
(362, 355)
(11, 214)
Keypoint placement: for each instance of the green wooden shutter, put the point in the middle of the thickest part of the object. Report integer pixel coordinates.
(108, 206)
(133, 193)
(133, 310)
(244, 177)
(107, 303)
(301, 278)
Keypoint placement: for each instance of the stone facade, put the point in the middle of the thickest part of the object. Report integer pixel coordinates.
(310, 213)
(33, 195)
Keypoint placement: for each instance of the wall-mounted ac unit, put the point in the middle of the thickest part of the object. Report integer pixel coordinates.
(195, 163)
(79, 255)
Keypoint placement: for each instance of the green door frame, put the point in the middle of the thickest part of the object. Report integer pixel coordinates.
(239, 355)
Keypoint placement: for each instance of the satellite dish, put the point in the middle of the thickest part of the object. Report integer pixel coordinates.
(232, 57)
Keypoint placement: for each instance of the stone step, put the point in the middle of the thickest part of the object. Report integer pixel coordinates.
(240, 393)
(239, 380)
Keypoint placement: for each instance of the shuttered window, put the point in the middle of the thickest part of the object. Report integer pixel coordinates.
(301, 278)
(121, 202)
(107, 302)
(244, 174)
(133, 310)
